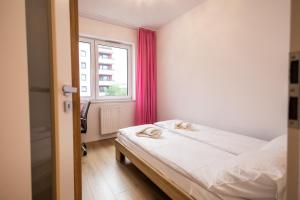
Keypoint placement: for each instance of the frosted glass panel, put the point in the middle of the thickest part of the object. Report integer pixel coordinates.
(40, 99)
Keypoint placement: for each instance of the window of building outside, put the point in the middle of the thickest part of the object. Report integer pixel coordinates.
(85, 69)
(83, 77)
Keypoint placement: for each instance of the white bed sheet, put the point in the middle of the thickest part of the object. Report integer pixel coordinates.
(226, 141)
(179, 164)
(196, 191)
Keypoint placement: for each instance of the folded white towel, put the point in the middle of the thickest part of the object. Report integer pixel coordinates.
(149, 132)
(182, 125)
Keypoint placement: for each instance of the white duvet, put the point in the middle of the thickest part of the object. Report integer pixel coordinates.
(214, 165)
(179, 153)
(226, 141)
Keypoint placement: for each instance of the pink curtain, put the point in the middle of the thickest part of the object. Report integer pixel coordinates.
(146, 78)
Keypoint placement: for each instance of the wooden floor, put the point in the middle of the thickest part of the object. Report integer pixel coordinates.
(103, 178)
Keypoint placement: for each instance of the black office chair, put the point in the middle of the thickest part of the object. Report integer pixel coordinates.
(84, 109)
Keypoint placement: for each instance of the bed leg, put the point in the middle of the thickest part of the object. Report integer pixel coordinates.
(120, 156)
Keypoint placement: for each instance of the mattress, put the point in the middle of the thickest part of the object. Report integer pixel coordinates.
(180, 165)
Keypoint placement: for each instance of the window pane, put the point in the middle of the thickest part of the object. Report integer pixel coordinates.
(112, 71)
(83, 77)
(83, 88)
(83, 53)
(85, 69)
(83, 65)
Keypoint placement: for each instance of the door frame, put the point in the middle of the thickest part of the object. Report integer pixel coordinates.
(74, 33)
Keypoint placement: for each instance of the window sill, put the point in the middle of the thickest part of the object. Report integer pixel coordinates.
(96, 101)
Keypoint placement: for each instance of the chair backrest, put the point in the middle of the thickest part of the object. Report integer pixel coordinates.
(84, 109)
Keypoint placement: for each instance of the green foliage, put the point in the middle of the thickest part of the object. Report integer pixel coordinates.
(115, 90)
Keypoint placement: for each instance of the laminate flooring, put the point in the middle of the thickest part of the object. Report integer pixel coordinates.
(103, 178)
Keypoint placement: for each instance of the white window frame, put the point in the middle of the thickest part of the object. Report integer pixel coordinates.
(95, 71)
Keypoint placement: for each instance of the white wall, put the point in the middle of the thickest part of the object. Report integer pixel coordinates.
(102, 30)
(15, 167)
(225, 64)
(126, 119)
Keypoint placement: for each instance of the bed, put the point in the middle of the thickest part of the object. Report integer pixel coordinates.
(186, 164)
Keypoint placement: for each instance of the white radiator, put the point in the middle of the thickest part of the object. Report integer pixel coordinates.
(109, 119)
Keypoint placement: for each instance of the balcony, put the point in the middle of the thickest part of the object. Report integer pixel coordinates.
(104, 50)
(106, 71)
(106, 83)
(106, 61)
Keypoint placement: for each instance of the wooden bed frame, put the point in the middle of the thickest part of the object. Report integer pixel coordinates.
(163, 182)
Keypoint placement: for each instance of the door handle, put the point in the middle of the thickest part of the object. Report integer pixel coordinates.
(67, 90)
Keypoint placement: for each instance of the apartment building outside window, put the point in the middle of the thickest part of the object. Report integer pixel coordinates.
(108, 73)
(85, 69)
(105, 67)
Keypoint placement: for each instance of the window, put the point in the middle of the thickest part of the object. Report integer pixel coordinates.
(83, 77)
(82, 53)
(83, 65)
(83, 88)
(105, 67)
(108, 71)
(105, 55)
(105, 77)
(103, 88)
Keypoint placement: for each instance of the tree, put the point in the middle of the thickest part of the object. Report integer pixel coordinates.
(115, 90)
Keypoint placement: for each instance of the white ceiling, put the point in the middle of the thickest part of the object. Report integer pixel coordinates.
(136, 13)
